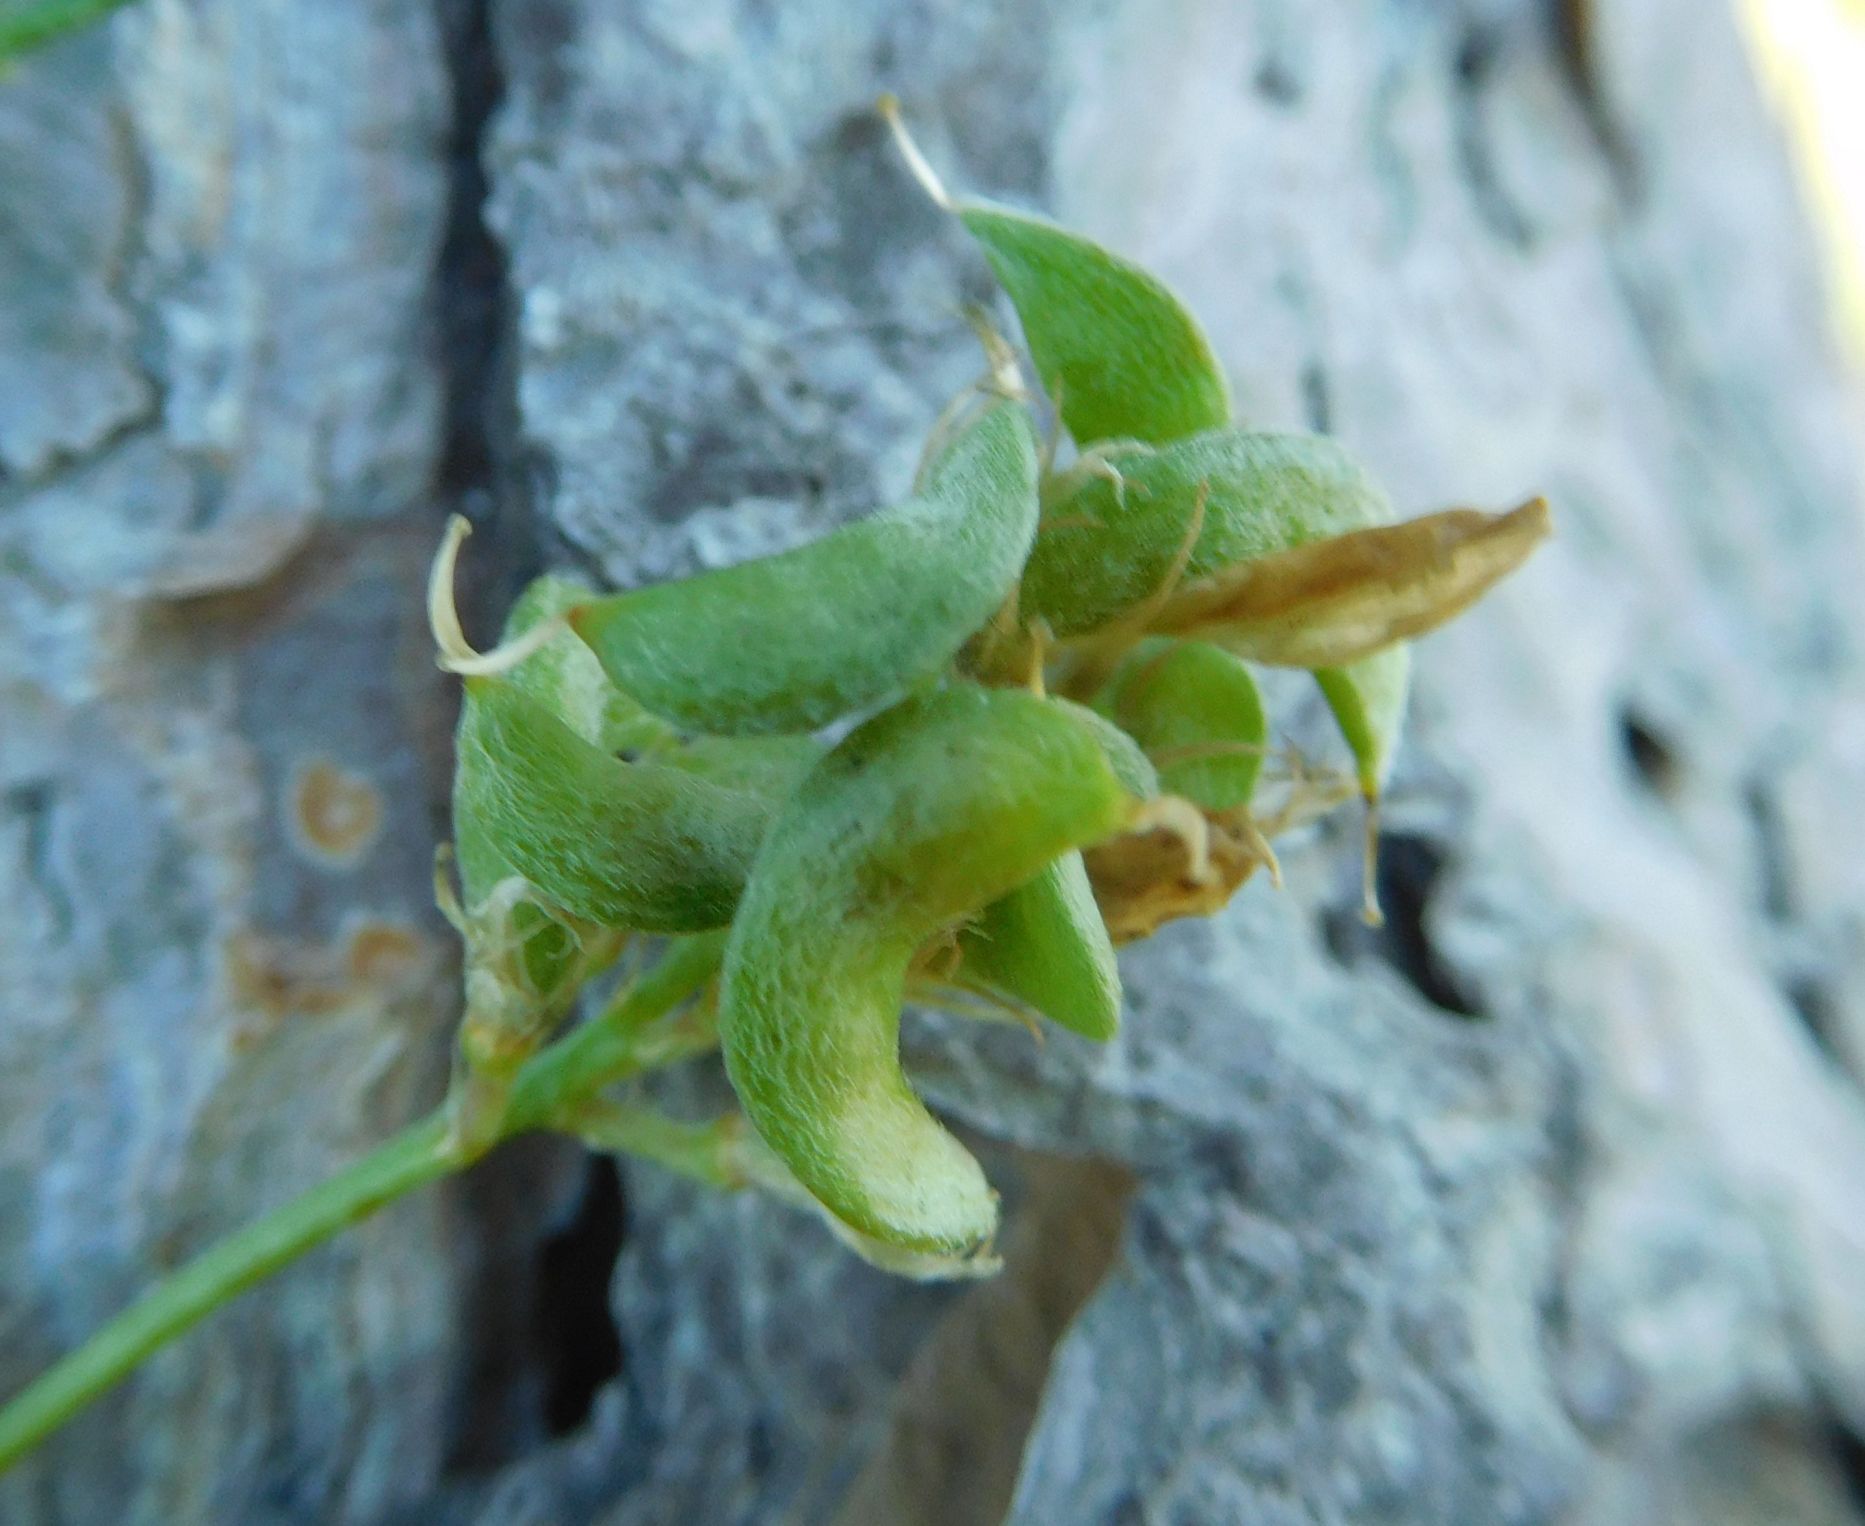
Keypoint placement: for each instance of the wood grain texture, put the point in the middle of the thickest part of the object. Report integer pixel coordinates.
(1588, 1255)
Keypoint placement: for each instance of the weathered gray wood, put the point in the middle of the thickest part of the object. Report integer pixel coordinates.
(222, 737)
(1542, 1205)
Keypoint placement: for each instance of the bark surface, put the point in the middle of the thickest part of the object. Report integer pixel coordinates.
(1543, 1204)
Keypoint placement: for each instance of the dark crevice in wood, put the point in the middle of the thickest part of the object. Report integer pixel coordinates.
(504, 1209)
(1576, 39)
(480, 472)
(537, 1337)
(473, 294)
(1849, 1454)
(577, 1340)
(1478, 52)
(1652, 758)
(1410, 868)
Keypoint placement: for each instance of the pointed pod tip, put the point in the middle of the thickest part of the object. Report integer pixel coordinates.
(1532, 520)
(888, 109)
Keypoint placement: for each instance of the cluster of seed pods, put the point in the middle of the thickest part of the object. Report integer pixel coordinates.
(1057, 741)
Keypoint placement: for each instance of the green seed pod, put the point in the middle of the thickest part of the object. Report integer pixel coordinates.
(565, 679)
(553, 723)
(759, 1166)
(1279, 548)
(1368, 701)
(1125, 756)
(945, 802)
(1196, 710)
(565, 675)
(1044, 946)
(642, 845)
(1109, 551)
(1119, 353)
(793, 641)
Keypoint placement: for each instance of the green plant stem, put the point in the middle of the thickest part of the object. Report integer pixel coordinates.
(613, 1046)
(549, 1088)
(410, 1159)
(706, 1152)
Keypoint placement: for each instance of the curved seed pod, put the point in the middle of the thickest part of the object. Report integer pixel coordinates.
(1044, 946)
(1332, 602)
(521, 765)
(791, 642)
(623, 845)
(1368, 701)
(946, 801)
(564, 674)
(1120, 354)
(1197, 711)
(769, 767)
(1113, 549)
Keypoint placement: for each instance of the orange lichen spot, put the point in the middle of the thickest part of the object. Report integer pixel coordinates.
(272, 977)
(275, 977)
(386, 954)
(335, 815)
